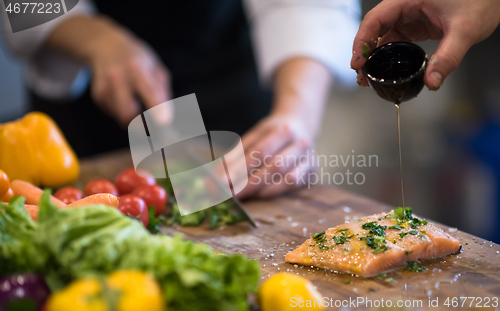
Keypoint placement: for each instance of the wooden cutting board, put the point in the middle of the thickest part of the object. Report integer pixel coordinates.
(287, 221)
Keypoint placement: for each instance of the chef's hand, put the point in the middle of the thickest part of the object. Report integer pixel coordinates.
(287, 134)
(123, 66)
(459, 24)
(271, 148)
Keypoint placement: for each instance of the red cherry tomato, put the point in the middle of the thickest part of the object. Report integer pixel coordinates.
(128, 180)
(68, 194)
(154, 196)
(134, 206)
(4, 183)
(100, 186)
(7, 196)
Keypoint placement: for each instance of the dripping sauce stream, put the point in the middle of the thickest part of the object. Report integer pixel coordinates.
(400, 157)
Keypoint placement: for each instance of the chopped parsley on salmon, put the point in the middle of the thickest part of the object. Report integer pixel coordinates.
(375, 244)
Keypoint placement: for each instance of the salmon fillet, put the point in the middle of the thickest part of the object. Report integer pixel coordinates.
(375, 244)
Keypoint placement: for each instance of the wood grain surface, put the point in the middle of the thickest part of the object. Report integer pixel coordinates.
(287, 221)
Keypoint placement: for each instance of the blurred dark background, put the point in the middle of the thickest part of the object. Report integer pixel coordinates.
(450, 139)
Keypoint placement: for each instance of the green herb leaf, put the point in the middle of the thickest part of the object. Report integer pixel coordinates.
(415, 267)
(399, 212)
(223, 211)
(381, 249)
(412, 232)
(317, 235)
(339, 240)
(366, 50)
(415, 222)
(378, 244)
(154, 222)
(382, 275)
(323, 246)
(374, 228)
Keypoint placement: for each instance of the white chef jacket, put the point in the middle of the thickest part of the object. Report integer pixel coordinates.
(281, 29)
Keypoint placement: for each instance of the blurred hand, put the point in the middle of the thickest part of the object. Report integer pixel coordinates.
(281, 144)
(272, 148)
(459, 24)
(124, 69)
(123, 66)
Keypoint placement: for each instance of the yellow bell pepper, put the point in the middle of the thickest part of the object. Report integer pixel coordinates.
(81, 295)
(139, 291)
(287, 292)
(123, 290)
(33, 149)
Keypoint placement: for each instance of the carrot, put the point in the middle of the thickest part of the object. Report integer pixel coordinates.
(100, 198)
(33, 210)
(31, 193)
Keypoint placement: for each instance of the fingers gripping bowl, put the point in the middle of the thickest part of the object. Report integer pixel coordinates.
(395, 71)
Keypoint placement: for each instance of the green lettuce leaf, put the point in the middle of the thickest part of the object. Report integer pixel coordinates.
(67, 244)
(18, 253)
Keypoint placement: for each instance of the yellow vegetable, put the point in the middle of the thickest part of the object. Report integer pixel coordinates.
(33, 149)
(81, 295)
(139, 291)
(285, 291)
(123, 290)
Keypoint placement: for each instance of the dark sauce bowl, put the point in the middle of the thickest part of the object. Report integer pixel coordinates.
(395, 71)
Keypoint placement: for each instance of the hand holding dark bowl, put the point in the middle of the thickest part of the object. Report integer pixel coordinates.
(395, 71)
